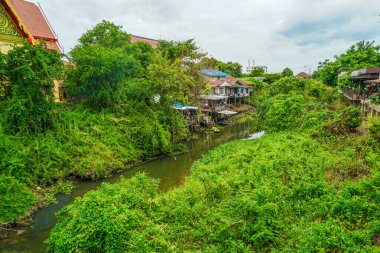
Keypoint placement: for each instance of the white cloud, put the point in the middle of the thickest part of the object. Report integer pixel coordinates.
(276, 33)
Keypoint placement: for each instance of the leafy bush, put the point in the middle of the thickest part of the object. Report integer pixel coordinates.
(114, 215)
(374, 127)
(375, 99)
(16, 199)
(344, 121)
(31, 71)
(288, 85)
(284, 112)
(265, 195)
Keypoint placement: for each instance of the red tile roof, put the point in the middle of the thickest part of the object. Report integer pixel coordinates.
(217, 83)
(303, 75)
(34, 19)
(230, 80)
(152, 42)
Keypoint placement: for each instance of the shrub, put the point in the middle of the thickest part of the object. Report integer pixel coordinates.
(16, 199)
(345, 120)
(288, 85)
(374, 127)
(31, 71)
(284, 112)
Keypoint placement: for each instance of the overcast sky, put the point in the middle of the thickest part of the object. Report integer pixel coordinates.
(275, 33)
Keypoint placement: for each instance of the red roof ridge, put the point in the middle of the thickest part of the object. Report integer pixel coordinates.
(303, 74)
(34, 19)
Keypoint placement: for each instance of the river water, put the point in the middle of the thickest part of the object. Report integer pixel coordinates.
(172, 171)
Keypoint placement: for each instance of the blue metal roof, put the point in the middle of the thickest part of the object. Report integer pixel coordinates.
(215, 73)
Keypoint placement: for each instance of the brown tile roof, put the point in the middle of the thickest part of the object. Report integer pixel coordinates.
(303, 75)
(152, 42)
(230, 80)
(34, 19)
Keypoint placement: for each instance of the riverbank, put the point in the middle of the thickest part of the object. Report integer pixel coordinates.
(281, 191)
(171, 171)
(45, 195)
(311, 183)
(83, 145)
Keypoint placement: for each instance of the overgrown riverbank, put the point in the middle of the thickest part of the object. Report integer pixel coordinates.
(83, 145)
(120, 111)
(310, 184)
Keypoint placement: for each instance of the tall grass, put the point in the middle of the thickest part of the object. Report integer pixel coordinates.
(85, 145)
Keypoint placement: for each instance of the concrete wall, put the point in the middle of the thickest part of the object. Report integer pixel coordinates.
(5, 47)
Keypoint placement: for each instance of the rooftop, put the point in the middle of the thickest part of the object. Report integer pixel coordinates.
(154, 43)
(31, 22)
(303, 75)
(229, 81)
(34, 19)
(214, 73)
(366, 71)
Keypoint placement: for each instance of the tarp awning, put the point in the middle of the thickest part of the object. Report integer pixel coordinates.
(226, 112)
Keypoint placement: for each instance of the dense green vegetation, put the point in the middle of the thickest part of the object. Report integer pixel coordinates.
(361, 55)
(120, 112)
(15, 199)
(310, 185)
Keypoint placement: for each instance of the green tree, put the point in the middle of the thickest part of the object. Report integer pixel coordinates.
(102, 62)
(98, 73)
(362, 54)
(29, 73)
(287, 72)
(232, 68)
(210, 63)
(105, 34)
(257, 71)
(189, 59)
(167, 79)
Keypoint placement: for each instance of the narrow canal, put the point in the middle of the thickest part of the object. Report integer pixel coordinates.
(172, 171)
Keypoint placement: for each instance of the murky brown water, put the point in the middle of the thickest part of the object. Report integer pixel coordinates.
(172, 171)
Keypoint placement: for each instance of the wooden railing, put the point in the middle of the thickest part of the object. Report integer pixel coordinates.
(352, 95)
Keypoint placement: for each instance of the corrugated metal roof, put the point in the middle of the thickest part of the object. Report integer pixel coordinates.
(215, 73)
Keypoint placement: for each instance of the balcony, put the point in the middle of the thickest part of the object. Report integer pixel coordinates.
(351, 95)
(238, 95)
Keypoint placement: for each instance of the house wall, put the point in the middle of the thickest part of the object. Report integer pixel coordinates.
(5, 47)
(213, 78)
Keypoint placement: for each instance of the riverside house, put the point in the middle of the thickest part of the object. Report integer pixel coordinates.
(364, 90)
(226, 93)
(233, 88)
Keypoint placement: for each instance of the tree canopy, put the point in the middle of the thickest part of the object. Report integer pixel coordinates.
(287, 72)
(257, 71)
(362, 54)
(105, 34)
